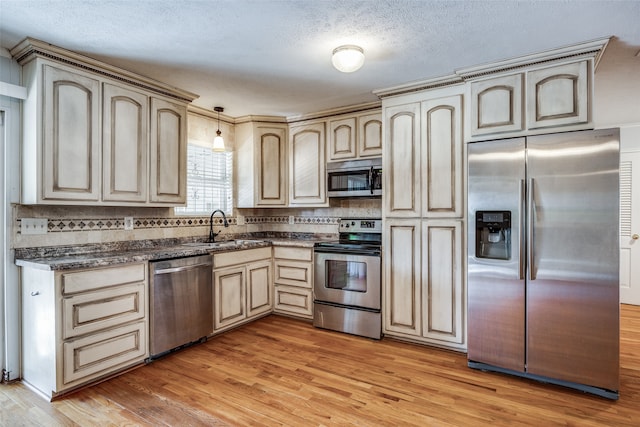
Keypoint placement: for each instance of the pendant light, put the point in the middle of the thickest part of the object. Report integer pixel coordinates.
(218, 142)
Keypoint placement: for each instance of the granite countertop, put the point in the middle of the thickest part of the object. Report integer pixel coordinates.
(100, 255)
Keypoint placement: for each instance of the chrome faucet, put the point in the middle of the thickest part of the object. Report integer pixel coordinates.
(212, 235)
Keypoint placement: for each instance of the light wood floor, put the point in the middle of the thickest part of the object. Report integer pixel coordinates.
(279, 371)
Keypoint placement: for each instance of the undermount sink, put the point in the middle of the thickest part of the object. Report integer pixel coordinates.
(222, 244)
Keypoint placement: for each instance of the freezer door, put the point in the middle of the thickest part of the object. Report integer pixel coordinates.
(572, 290)
(496, 287)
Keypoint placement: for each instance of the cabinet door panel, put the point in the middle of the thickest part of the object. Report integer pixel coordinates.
(401, 162)
(293, 273)
(93, 311)
(442, 298)
(307, 161)
(124, 144)
(441, 156)
(370, 135)
(272, 164)
(558, 96)
(496, 105)
(259, 288)
(402, 276)
(229, 299)
(293, 300)
(71, 144)
(168, 152)
(96, 354)
(342, 139)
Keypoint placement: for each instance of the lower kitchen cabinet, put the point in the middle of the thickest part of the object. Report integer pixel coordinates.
(423, 281)
(241, 286)
(293, 281)
(82, 325)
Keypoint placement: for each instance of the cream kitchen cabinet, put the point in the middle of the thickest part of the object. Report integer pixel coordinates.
(261, 153)
(293, 281)
(497, 105)
(80, 326)
(423, 217)
(97, 135)
(423, 161)
(168, 154)
(242, 286)
(424, 297)
(125, 143)
(534, 100)
(307, 167)
(355, 136)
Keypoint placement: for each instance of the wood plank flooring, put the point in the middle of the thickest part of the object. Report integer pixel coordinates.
(281, 371)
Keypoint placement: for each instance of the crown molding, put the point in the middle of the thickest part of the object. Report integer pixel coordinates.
(350, 109)
(30, 48)
(590, 49)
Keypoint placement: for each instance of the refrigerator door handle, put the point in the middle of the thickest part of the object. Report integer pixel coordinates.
(522, 192)
(530, 229)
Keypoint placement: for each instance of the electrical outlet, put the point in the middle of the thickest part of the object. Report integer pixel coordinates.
(33, 226)
(239, 219)
(128, 223)
(291, 219)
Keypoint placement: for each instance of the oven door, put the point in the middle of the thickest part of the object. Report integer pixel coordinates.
(348, 279)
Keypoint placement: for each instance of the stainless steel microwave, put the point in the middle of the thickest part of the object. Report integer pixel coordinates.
(355, 178)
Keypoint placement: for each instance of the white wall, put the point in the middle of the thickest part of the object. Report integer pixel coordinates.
(617, 91)
(9, 193)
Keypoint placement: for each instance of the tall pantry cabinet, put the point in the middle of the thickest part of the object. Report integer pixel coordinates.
(423, 215)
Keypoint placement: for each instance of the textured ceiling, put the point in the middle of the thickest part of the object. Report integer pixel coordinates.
(272, 57)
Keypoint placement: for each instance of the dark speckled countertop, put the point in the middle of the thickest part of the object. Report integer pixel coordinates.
(101, 255)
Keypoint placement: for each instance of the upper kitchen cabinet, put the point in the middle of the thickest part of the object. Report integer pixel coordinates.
(423, 155)
(537, 93)
(125, 139)
(560, 95)
(355, 136)
(261, 169)
(497, 105)
(307, 167)
(94, 134)
(168, 154)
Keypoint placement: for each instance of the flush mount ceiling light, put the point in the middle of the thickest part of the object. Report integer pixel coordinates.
(218, 142)
(348, 58)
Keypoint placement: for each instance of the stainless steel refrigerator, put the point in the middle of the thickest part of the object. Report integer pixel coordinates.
(543, 291)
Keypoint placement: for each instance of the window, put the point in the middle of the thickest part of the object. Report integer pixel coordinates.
(209, 180)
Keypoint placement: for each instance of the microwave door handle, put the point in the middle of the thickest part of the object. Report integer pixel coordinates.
(371, 179)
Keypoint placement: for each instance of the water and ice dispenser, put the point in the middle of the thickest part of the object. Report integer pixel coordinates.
(493, 234)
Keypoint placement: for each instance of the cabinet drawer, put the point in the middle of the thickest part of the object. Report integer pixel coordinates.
(225, 259)
(293, 273)
(291, 300)
(93, 311)
(294, 253)
(81, 281)
(94, 355)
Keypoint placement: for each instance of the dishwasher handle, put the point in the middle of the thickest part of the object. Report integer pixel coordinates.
(182, 268)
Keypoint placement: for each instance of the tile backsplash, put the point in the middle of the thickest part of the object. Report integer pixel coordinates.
(81, 225)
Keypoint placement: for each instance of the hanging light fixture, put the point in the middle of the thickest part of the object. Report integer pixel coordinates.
(218, 142)
(348, 58)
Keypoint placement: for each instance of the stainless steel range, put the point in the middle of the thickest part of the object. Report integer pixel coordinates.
(347, 291)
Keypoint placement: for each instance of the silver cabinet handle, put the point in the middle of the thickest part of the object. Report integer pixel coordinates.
(35, 293)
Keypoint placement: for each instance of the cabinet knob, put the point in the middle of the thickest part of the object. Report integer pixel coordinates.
(635, 236)
(35, 293)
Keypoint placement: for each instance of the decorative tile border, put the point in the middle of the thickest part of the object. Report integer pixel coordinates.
(61, 225)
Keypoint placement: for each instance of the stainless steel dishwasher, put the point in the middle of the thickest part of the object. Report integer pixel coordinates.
(181, 302)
